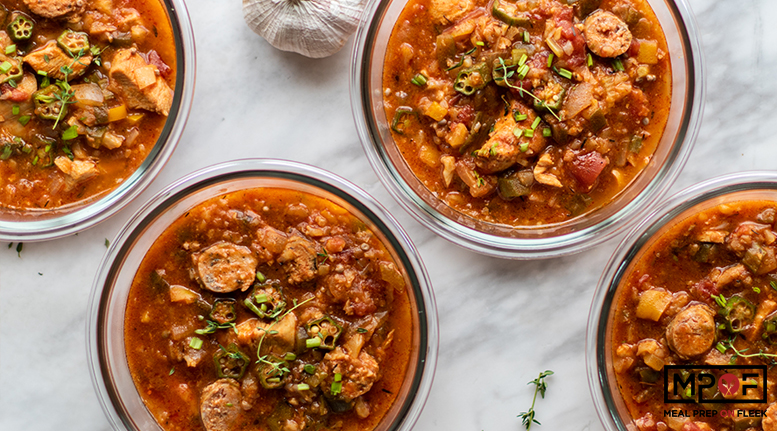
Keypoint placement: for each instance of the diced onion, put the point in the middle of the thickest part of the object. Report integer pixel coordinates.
(88, 94)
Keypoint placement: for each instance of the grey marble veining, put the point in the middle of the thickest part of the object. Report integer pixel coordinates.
(501, 322)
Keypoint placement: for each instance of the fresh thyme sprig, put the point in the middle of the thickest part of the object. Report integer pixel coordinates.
(540, 386)
(67, 91)
(729, 344)
(507, 74)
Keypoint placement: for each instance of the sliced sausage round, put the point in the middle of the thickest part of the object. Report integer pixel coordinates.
(606, 35)
(226, 267)
(220, 405)
(692, 331)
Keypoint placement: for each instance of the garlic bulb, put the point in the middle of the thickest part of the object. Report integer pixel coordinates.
(313, 28)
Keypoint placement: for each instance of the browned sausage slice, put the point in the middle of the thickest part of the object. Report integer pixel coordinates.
(606, 35)
(226, 267)
(692, 331)
(220, 405)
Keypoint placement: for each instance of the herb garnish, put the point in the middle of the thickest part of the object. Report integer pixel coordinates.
(507, 74)
(539, 386)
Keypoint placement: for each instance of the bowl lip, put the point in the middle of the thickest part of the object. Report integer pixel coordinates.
(627, 250)
(526, 248)
(95, 210)
(267, 168)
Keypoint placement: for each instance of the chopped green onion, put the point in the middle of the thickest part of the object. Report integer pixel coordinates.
(261, 298)
(309, 368)
(526, 36)
(260, 277)
(523, 59)
(550, 60)
(311, 343)
(524, 147)
(565, 73)
(337, 387)
(773, 285)
(70, 133)
(535, 123)
(289, 357)
(523, 70)
(15, 109)
(10, 49)
(27, 150)
(5, 67)
(589, 61)
(520, 117)
(721, 348)
(338, 377)
(518, 132)
(528, 133)
(617, 64)
(303, 387)
(24, 119)
(546, 132)
(480, 43)
(419, 80)
(35, 160)
(195, 343)
(756, 290)
(172, 370)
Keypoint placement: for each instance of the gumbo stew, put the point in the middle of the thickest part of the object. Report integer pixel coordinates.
(703, 294)
(268, 309)
(526, 112)
(85, 89)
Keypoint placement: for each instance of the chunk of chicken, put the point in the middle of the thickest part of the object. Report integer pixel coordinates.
(141, 83)
(220, 405)
(51, 59)
(70, 9)
(299, 258)
(735, 273)
(540, 171)
(358, 374)
(278, 340)
(692, 331)
(503, 149)
(77, 170)
(226, 267)
(449, 11)
(606, 35)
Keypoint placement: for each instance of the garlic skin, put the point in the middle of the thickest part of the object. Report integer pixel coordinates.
(313, 28)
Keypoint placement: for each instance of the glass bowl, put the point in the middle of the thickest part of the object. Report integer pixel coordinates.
(527, 242)
(601, 378)
(105, 328)
(37, 225)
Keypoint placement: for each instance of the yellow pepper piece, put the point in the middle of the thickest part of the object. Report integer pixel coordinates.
(117, 113)
(135, 118)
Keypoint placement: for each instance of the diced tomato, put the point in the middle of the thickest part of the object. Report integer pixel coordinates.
(633, 48)
(13, 94)
(586, 169)
(563, 18)
(465, 115)
(156, 60)
(703, 290)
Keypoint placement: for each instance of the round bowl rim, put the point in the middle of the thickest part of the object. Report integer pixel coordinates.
(526, 248)
(96, 210)
(274, 168)
(632, 243)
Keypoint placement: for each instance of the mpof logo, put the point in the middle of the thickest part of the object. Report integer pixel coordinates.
(702, 383)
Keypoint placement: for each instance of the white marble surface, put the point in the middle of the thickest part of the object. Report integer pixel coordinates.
(501, 322)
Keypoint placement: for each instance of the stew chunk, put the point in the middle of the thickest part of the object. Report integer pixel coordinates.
(226, 267)
(140, 82)
(220, 405)
(692, 331)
